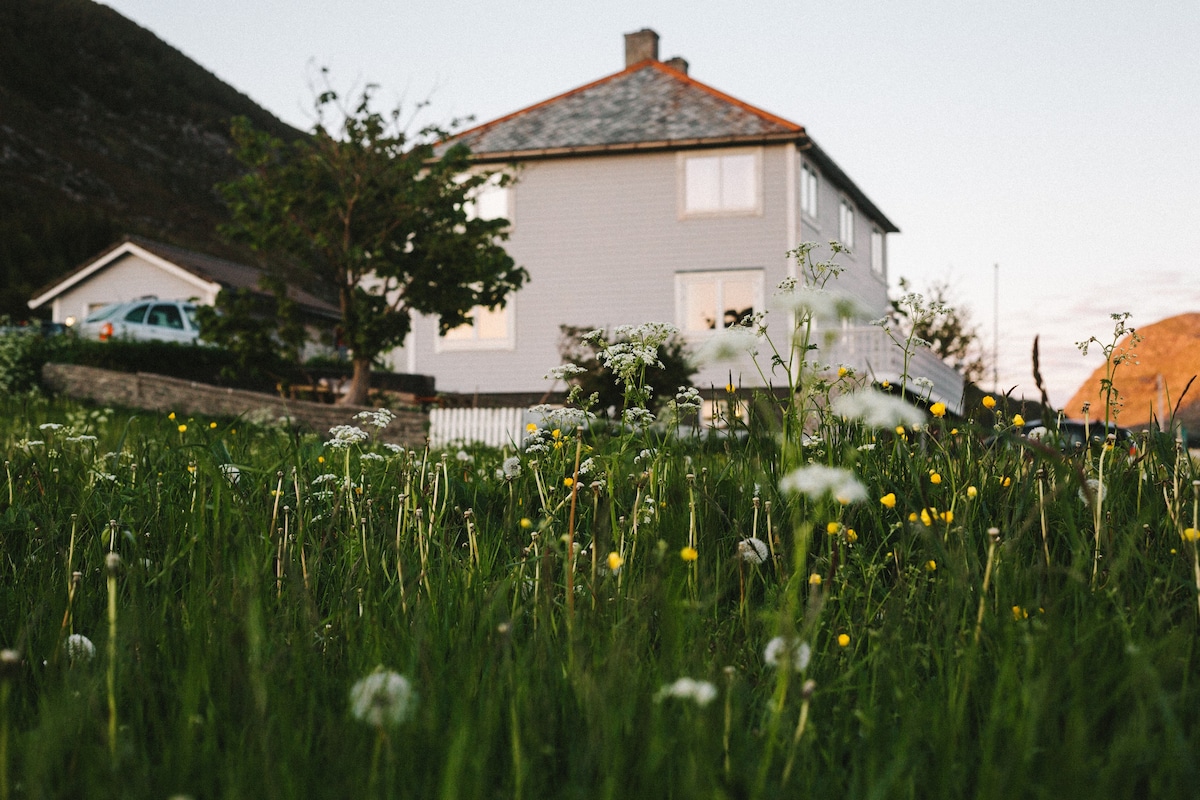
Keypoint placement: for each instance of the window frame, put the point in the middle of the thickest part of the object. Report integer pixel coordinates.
(688, 278)
(490, 185)
(846, 215)
(681, 162)
(810, 191)
(473, 344)
(878, 263)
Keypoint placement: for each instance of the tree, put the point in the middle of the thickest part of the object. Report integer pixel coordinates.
(376, 215)
(951, 334)
(262, 330)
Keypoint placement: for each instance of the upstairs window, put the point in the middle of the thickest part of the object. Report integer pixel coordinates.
(723, 183)
(808, 191)
(846, 224)
(877, 252)
(709, 301)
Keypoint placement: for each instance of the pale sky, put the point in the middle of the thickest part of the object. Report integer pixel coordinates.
(1056, 139)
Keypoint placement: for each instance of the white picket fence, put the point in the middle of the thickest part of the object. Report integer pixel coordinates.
(496, 427)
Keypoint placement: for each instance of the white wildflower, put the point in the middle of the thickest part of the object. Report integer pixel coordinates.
(564, 372)
(231, 473)
(382, 698)
(700, 692)
(345, 435)
(379, 418)
(80, 648)
(645, 455)
(587, 465)
(50, 426)
(84, 437)
(637, 417)
(1037, 434)
(328, 477)
(807, 301)
(463, 456)
(395, 449)
(922, 383)
(752, 550)
(729, 344)
(688, 397)
(817, 480)
(876, 409)
(783, 653)
(372, 457)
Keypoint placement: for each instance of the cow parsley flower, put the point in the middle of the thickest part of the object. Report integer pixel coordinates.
(783, 653)
(700, 692)
(876, 409)
(345, 435)
(817, 480)
(380, 418)
(382, 698)
(752, 550)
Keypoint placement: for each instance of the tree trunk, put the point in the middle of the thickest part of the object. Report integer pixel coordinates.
(360, 383)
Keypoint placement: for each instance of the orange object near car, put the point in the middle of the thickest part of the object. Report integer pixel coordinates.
(106, 331)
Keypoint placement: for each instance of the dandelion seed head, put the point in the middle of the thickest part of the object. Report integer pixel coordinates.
(383, 698)
(700, 692)
(752, 550)
(876, 409)
(817, 480)
(782, 653)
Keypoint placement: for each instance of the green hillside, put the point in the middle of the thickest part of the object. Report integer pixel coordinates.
(104, 129)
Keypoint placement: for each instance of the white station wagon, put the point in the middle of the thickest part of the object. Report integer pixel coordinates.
(146, 319)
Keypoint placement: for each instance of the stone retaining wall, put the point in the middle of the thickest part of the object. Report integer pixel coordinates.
(160, 393)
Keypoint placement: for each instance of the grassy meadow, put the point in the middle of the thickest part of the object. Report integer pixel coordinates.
(835, 597)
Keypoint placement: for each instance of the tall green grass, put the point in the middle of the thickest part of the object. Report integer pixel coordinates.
(247, 607)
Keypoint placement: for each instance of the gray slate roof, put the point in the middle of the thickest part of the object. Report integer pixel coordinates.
(647, 103)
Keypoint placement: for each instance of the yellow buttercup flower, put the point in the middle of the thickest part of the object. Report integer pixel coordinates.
(885, 385)
(843, 372)
(526, 523)
(938, 410)
(1018, 420)
(935, 478)
(843, 640)
(851, 535)
(931, 565)
(1191, 534)
(568, 482)
(615, 562)
(833, 527)
(689, 554)
(888, 500)
(556, 433)
(926, 520)
(730, 388)
(182, 428)
(212, 425)
(1005, 481)
(1019, 613)
(531, 427)
(989, 402)
(971, 492)
(171, 416)
(912, 516)
(814, 580)
(946, 517)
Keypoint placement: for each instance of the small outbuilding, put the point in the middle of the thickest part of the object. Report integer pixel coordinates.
(138, 267)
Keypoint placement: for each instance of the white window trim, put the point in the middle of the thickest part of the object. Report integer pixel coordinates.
(807, 170)
(443, 345)
(681, 182)
(682, 279)
(510, 205)
(878, 252)
(844, 206)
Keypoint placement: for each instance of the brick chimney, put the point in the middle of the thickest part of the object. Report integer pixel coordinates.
(640, 46)
(678, 63)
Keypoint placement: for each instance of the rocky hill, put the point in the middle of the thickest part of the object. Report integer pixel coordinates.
(1151, 385)
(104, 130)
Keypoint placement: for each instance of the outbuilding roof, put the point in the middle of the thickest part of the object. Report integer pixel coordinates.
(209, 269)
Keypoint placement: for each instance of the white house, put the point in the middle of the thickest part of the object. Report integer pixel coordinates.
(650, 196)
(138, 267)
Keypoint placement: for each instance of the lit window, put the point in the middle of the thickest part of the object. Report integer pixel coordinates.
(846, 224)
(488, 329)
(808, 191)
(707, 301)
(490, 200)
(877, 252)
(721, 183)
